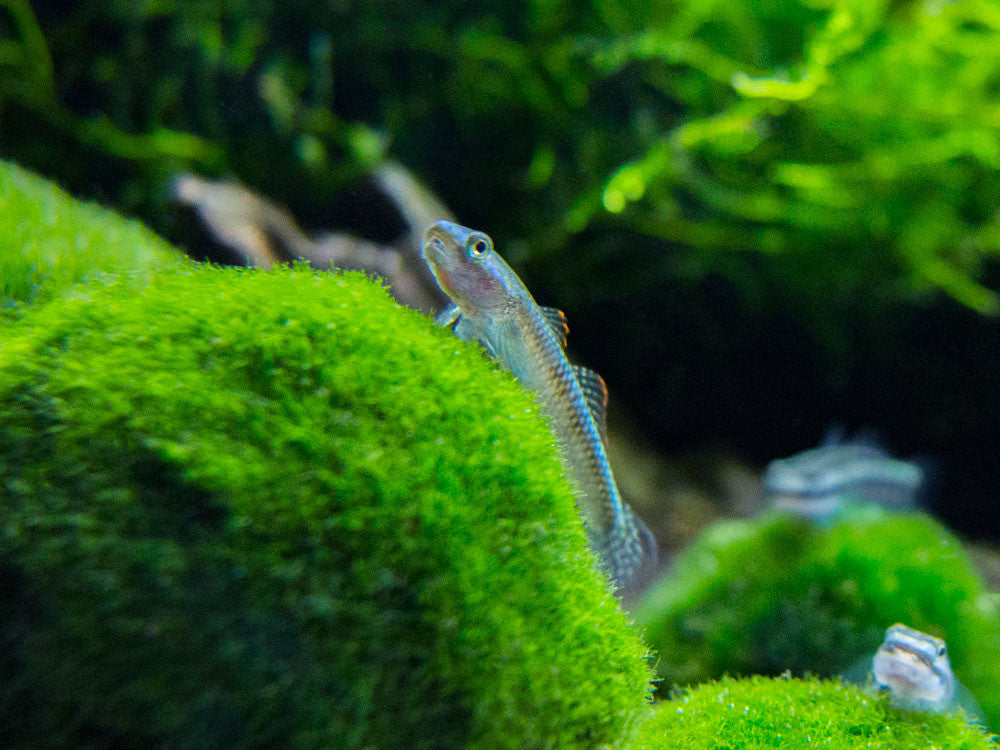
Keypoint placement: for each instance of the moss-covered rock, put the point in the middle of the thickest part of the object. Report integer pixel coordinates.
(248, 509)
(776, 594)
(792, 713)
(49, 241)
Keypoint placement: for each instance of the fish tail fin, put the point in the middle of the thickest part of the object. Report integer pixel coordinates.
(630, 549)
(859, 673)
(834, 434)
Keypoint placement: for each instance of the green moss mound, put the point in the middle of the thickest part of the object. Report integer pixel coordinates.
(783, 713)
(49, 241)
(776, 594)
(248, 509)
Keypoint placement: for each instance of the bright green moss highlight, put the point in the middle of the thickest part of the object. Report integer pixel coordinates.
(775, 594)
(249, 509)
(791, 713)
(50, 241)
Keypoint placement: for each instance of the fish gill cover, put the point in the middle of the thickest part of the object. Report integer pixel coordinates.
(775, 594)
(247, 509)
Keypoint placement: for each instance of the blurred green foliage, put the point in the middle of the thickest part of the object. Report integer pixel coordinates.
(51, 241)
(776, 594)
(851, 145)
(254, 509)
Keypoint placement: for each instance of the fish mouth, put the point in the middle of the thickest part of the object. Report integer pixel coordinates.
(908, 673)
(900, 678)
(432, 248)
(435, 238)
(435, 254)
(911, 654)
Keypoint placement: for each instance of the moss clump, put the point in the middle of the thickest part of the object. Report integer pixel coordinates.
(760, 713)
(51, 241)
(776, 594)
(248, 509)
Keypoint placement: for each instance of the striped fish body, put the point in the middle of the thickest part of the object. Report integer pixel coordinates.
(820, 482)
(492, 306)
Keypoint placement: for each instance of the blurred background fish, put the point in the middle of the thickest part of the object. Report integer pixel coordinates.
(819, 483)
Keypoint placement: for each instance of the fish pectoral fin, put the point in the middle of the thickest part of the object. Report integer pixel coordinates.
(462, 327)
(629, 549)
(557, 322)
(448, 317)
(596, 394)
(647, 542)
(966, 701)
(467, 331)
(860, 674)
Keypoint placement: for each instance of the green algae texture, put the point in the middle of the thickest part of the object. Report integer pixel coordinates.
(276, 509)
(49, 241)
(762, 713)
(775, 594)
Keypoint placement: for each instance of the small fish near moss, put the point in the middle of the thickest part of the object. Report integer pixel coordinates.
(492, 306)
(822, 483)
(913, 667)
(246, 509)
(771, 594)
(786, 712)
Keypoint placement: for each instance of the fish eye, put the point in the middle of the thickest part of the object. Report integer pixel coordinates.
(942, 651)
(479, 246)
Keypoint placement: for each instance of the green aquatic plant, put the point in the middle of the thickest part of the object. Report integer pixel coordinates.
(763, 192)
(778, 713)
(775, 594)
(50, 241)
(245, 509)
(845, 147)
(822, 149)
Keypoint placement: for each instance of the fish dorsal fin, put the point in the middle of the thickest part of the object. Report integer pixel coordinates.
(448, 317)
(835, 434)
(968, 703)
(462, 327)
(860, 673)
(557, 322)
(596, 394)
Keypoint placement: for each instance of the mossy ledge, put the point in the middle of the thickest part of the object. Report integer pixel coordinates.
(775, 593)
(49, 241)
(275, 509)
(762, 712)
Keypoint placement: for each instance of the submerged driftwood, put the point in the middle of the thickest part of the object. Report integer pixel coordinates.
(262, 233)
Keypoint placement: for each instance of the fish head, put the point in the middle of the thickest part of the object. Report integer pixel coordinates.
(914, 666)
(800, 474)
(818, 481)
(467, 268)
(802, 484)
